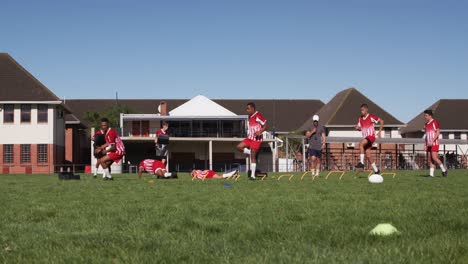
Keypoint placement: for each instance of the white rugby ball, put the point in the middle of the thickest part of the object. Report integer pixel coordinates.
(375, 178)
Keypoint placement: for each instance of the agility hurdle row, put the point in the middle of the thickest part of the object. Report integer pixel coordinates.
(341, 173)
(290, 176)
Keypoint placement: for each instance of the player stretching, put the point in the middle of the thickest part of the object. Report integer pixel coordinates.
(113, 150)
(209, 174)
(251, 144)
(151, 166)
(432, 129)
(366, 125)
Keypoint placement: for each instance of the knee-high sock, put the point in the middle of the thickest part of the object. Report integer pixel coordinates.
(431, 172)
(442, 167)
(362, 158)
(253, 167)
(107, 173)
(375, 167)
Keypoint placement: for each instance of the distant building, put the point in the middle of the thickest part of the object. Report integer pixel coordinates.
(32, 124)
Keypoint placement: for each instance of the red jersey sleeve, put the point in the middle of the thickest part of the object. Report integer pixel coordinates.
(374, 118)
(436, 125)
(260, 119)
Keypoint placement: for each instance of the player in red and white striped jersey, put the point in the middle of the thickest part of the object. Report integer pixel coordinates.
(209, 174)
(152, 166)
(432, 129)
(366, 124)
(113, 150)
(251, 144)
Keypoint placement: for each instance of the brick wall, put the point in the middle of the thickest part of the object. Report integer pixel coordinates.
(69, 144)
(27, 168)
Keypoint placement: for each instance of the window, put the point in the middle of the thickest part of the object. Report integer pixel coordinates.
(8, 113)
(457, 135)
(42, 113)
(25, 153)
(25, 113)
(445, 135)
(7, 153)
(388, 133)
(42, 153)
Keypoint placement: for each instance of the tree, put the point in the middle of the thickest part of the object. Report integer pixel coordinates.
(112, 113)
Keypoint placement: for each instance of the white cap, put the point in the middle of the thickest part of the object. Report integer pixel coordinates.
(315, 118)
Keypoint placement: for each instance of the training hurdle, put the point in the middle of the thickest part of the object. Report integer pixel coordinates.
(305, 173)
(286, 175)
(342, 173)
(389, 173)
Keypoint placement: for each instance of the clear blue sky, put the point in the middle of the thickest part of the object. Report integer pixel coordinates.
(403, 54)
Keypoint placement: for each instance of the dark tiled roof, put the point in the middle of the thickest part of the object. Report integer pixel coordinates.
(448, 112)
(282, 115)
(343, 110)
(17, 84)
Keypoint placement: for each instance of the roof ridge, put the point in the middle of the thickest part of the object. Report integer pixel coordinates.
(348, 91)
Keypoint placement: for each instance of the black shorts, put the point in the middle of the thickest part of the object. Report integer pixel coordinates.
(315, 153)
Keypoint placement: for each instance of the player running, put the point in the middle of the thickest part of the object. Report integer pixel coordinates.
(251, 144)
(113, 150)
(432, 130)
(152, 166)
(209, 174)
(366, 125)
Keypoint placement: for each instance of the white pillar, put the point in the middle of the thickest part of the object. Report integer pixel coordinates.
(210, 153)
(287, 154)
(167, 162)
(93, 159)
(304, 155)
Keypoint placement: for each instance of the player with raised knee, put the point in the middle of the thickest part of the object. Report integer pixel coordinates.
(366, 124)
(251, 144)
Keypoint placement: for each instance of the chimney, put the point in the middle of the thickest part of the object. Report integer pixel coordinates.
(163, 108)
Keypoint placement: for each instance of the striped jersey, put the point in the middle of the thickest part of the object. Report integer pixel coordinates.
(151, 165)
(204, 174)
(431, 133)
(367, 125)
(256, 122)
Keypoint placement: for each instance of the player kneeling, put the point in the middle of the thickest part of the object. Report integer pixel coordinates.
(209, 174)
(155, 167)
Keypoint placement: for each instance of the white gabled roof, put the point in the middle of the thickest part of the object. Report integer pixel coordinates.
(201, 106)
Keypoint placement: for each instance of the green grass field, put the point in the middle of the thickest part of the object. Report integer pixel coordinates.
(180, 221)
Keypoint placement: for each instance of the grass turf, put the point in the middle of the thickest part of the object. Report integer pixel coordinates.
(179, 221)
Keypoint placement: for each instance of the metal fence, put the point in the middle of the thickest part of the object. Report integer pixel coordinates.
(398, 154)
